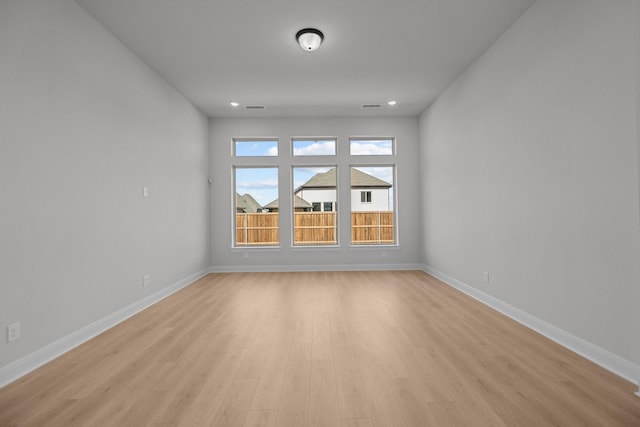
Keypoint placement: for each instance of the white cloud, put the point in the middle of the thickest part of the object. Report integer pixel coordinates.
(313, 170)
(371, 148)
(273, 151)
(258, 185)
(322, 148)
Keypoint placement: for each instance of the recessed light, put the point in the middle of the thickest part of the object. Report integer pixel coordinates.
(234, 103)
(392, 102)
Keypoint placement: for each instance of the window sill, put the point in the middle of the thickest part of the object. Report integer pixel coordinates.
(316, 248)
(254, 248)
(373, 247)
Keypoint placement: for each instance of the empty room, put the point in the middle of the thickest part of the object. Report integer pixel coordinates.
(358, 213)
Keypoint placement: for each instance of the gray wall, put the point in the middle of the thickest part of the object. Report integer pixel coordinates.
(224, 257)
(84, 125)
(530, 172)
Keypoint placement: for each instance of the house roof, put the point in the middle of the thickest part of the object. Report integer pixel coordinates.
(298, 201)
(247, 203)
(359, 179)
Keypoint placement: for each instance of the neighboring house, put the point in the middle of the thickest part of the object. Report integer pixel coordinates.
(247, 204)
(368, 193)
(300, 205)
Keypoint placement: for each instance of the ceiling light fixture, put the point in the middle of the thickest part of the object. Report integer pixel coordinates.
(309, 39)
(234, 103)
(392, 102)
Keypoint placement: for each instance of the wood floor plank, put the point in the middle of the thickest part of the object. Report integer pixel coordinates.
(271, 382)
(261, 418)
(324, 406)
(350, 349)
(321, 340)
(356, 422)
(294, 403)
(233, 410)
(351, 390)
(408, 396)
(215, 390)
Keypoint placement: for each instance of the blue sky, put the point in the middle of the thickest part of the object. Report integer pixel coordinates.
(261, 183)
(256, 148)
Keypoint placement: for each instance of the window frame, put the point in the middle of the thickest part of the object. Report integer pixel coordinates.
(365, 196)
(393, 204)
(342, 159)
(234, 208)
(321, 205)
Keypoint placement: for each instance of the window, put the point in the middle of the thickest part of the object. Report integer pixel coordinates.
(255, 147)
(371, 146)
(314, 221)
(256, 206)
(314, 147)
(312, 202)
(372, 205)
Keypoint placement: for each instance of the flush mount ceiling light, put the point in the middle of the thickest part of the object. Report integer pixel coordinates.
(309, 39)
(234, 103)
(392, 102)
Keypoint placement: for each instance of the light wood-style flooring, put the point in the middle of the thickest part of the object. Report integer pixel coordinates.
(339, 349)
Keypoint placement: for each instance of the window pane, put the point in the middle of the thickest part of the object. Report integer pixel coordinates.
(371, 146)
(314, 147)
(314, 195)
(256, 207)
(372, 215)
(365, 196)
(255, 147)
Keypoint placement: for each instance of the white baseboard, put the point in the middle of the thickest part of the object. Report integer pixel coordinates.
(23, 366)
(598, 355)
(307, 268)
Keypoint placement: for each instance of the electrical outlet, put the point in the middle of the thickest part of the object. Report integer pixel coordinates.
(145, 191)
(485, 277)
(638, 392)
(13, 332)
(146, 280)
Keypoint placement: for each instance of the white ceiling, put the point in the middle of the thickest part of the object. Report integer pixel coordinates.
(216, 51)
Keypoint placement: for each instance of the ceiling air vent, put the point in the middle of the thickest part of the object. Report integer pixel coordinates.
(254, 107)
(369, 106)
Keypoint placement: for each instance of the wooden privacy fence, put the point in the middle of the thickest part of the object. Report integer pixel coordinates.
(372, 227)
(314, 228)
(257, 229)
